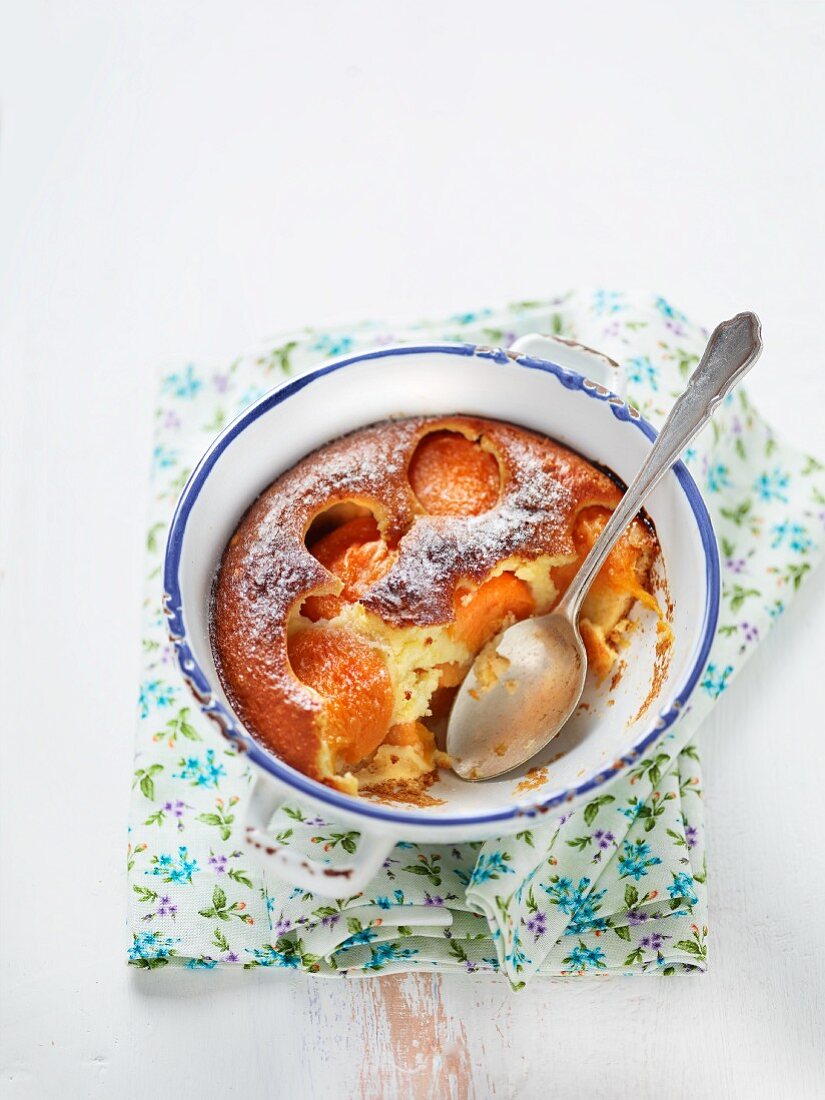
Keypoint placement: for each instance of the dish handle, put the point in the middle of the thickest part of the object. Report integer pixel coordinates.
(591, 364)
(330, 880)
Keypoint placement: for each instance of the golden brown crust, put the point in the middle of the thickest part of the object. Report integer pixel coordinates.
(266, 571)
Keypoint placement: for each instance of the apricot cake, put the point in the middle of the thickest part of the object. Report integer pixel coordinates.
(357, 589)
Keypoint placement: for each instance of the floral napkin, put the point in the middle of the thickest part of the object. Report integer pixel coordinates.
(617, 886)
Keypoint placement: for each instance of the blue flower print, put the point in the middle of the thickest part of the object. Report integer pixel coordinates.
(163, 457)
(174, 869)
(328, 344)
(489, 867)
(515, 956)
(150, 950)
(271, 956)
(568, 897)
(716, 680)
(383, 953)
(203, 963)
(607, 302)
(632, 810)
(583, 958)
(717, 478)
(184, 384)
(683, 887)
(363, 935)
(201, 771)
(641, 371)
(584, 918)
(794, 535)
(636, 859)
(471, 317)
(154, 695)
(382, 903)
(667, 310)
(772, 486)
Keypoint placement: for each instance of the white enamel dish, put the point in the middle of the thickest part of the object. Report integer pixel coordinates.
(553, 397)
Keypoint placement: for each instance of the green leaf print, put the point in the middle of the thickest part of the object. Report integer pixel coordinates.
(179, 726)
(738, 594)
(623, 932)
(221, 817)
(631, 895)
(221, 910)
(220, 941)
(346, 840)
(457, 952)
(240, 876)
(739, 514)
(145, 894)
(152, 537)
(591, 810)
(144, 777)
(796, 573)
(280, 358)
(426, 867)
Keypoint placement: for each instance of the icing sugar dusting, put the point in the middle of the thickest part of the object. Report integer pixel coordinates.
(438, 552)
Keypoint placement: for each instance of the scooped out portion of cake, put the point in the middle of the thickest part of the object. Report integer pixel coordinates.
(358, 588)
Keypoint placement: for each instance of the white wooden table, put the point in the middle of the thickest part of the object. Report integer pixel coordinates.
(180, 180)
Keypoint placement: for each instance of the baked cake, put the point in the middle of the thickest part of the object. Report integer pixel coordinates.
(357, 589)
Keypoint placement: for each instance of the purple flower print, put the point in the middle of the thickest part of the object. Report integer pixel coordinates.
(654, 942)
(635, 916)
(218, 864)
(537, 924)
(735, 565)
(230, 957)
(171, 420)
(749, 632)
(603, 838)
(281, 926)
(175, 808)
(433, 899)
(330, 920)
(166, 908)
(220, 382)
(691, 835)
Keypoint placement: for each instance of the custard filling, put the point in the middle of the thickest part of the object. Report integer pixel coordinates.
(383, 687)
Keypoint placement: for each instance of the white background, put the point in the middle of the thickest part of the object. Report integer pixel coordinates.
(178, 180)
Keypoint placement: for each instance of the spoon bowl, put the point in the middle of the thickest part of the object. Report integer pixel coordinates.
(546, 653)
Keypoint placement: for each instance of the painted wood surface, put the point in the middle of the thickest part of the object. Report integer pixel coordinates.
(179, 183)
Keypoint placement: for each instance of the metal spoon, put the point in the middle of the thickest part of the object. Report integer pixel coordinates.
(526, 683)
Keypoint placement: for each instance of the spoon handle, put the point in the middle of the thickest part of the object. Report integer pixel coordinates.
(732, 350)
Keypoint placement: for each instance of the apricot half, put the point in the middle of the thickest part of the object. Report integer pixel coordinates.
(619, 571)
(482, 616)
(352, 679)
(454, 476)
(357, 554)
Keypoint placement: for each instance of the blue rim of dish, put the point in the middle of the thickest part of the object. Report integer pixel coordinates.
(200, 686)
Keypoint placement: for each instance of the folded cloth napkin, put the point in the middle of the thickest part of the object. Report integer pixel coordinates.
(618, 885)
